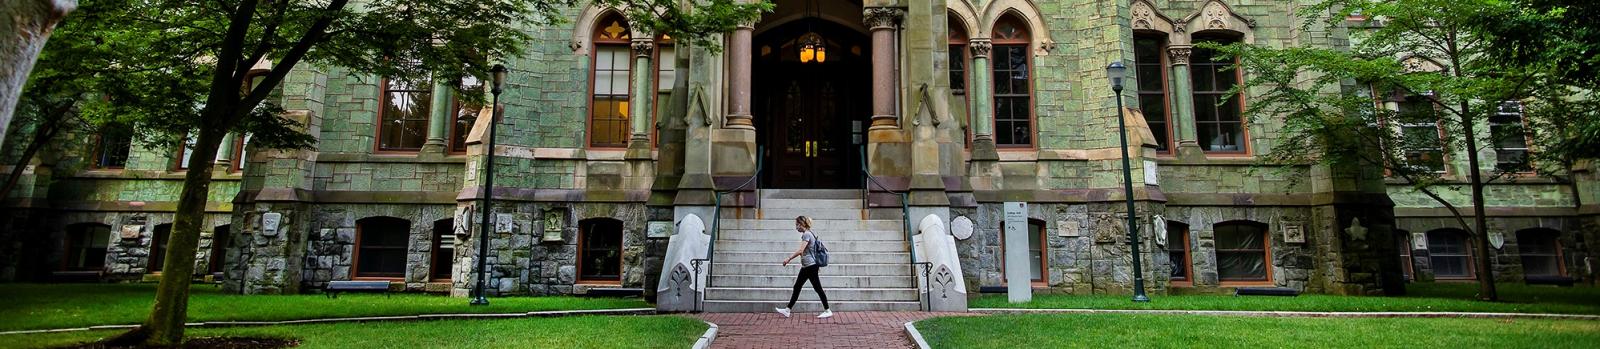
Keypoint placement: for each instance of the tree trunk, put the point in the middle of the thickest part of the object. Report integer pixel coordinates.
(1486, 289)
(30, 23)
(165, 328)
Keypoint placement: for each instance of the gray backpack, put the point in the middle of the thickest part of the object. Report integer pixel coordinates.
(819, 251)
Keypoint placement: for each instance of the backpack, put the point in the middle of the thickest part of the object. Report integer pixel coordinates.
(819, 252)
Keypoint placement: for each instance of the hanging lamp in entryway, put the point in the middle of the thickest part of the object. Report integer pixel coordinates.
(812, 46)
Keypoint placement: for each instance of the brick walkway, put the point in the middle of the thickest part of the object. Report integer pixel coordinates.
(844, 330)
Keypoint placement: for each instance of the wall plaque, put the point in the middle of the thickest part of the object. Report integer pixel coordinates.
(504, 223)
(1294, 234)
(1419, 241)
(463, 221)
(1067, 229)
(659, 229)
(269, 223)
(555, 220)
(961, 228)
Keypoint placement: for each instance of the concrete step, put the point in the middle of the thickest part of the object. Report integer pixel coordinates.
(815, 213)
(834, 257)
(833, 246)
(852, 224)
(828, 282)
(782, 293)
(720, 268)
(772, 204)
(835, 194)
(807, 309)
(827, 236)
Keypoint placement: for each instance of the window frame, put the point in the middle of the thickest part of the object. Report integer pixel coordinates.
(159, 235)
(356, 272)
(1471, 266)
(1245, 148)
(97, 162)
(959, 44)
(86, 231)
(220, 236)
(1187, 251)
(1170, 146)
(598, 41)
(1022, 38)
(1556, 254)
(1044, 253)
(383, 102)
(1266, 254)
(437, 242)
(584, 229)
(1407, 258)
(662, 43)
(1522, 125)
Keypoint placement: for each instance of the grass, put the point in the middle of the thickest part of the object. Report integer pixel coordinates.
(1421, 297)
(1185, 331)
(564, 332)
(41, 306)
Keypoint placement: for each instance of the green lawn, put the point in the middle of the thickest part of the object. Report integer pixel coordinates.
(563, 332)
(1515, 298)
(1185, 331)
(40, 306)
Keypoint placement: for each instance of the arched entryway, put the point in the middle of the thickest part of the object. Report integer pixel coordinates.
(812, 108)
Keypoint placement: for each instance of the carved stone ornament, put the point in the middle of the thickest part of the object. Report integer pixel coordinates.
(882, 17)
(1179, 55)
(643, 47)
(980, 47)
(961, 228)
(1216, 16)
(1497, 240)
(1356, 231)
(1144, 17)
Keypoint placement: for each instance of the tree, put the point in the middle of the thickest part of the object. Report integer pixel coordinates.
(1427, 53)
(1556, 41)
(185, 71)
(30, 23)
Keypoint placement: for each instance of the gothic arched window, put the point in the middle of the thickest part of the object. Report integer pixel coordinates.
(1013, 84)
(608, 103)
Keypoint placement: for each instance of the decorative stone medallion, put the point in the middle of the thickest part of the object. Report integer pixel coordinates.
(269, 223)
(961, 228)
(1497, 240)
(1356, 231)
(1159, 228)
(1294, 234)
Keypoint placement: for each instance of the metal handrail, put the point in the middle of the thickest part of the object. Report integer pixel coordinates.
(927, 268)
(716, 219)
(905, 204)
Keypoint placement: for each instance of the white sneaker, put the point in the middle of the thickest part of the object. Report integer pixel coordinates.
(825, 314)
(784, 311)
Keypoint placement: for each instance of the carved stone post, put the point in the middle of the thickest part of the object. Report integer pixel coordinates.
(639, 100)
(983, 104)
(739, 78)
(1182, 96)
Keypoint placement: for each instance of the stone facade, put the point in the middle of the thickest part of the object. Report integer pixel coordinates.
(933, 143)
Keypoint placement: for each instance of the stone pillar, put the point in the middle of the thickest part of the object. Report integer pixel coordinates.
(882, 20)
(983, 104)
(439, 118)
(1183, 101)
(640, 98)
(739, 116)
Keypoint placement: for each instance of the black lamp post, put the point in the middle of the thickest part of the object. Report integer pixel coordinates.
(1116, 71)
(498, 81)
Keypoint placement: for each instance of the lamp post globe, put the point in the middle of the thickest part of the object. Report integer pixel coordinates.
(1116, 72)
(497, 85)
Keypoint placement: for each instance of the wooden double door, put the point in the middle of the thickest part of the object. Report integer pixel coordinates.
(816, 119)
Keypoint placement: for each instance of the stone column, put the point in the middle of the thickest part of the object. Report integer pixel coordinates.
(439, 118)
(640, 98)
(739, 78)
(982, 102)
(1182, 97)
(882, 20)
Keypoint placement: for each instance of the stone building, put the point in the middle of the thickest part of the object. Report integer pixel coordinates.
(623, 159)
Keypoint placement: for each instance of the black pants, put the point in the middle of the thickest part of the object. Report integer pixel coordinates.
(809, 273)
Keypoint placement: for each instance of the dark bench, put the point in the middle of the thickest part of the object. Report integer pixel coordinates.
(1265, 291)
(615, 292)
(1550, 280)
(335, 287)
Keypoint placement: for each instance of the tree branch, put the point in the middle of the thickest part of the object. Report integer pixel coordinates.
(313, 35)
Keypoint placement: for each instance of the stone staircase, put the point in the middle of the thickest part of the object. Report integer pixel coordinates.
(868, 270)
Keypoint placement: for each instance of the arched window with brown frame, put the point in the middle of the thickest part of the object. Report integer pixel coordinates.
(1011, 61)
(600, 250)
(610, 66)
(1178, 253)
(666, 74)
(1244, 252)
(1450, 254)
(1150, 62)
(1541, 252)
(1218, 114)
(84, 247)
(958, 65)
(381, 247)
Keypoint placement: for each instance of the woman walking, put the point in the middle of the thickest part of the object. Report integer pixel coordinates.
(808, 267)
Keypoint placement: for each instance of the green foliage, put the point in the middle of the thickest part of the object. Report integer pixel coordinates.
(1557, 41)
(691, 21)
